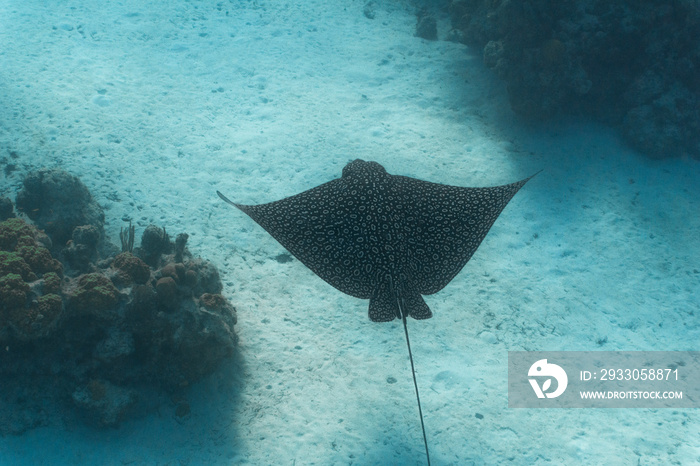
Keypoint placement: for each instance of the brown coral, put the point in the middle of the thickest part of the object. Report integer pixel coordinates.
(12, 231)
(13, 291)
(51, 284)
(95, 293)
(39, 259)
(38, 319)
(13, 263)
(133, 267)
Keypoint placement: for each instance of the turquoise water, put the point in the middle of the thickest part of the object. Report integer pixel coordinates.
(156, 105)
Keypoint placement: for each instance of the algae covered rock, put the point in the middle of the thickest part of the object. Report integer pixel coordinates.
(6, 209)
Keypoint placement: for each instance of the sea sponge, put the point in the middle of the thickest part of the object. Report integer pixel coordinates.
(180, 243)
(95, 293)
(170, 270)
(167, 292)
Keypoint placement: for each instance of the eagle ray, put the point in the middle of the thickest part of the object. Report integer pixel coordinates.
(386, 238)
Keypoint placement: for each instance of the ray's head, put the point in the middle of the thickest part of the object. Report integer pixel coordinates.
(361, 169)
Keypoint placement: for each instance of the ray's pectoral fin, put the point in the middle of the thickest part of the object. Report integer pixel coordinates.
(388, 303)
(226, 199)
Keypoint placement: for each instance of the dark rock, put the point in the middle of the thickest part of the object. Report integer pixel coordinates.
(24, 406)
(114, 350)
(369, 10)
(58, 202)
(207, 277)
(87, 235)
(81, 250)
(104, 403)
(426, 26)
(182, 409)
(201, 338)
(191, 278)
(143, 303)
(6, 209)
(180, 243)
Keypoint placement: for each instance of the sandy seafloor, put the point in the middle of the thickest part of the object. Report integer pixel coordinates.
(156, 105)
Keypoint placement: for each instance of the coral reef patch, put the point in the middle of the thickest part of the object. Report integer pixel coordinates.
(631, 64)
(111, 335)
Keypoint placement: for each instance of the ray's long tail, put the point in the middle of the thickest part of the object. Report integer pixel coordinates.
(415, 384)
